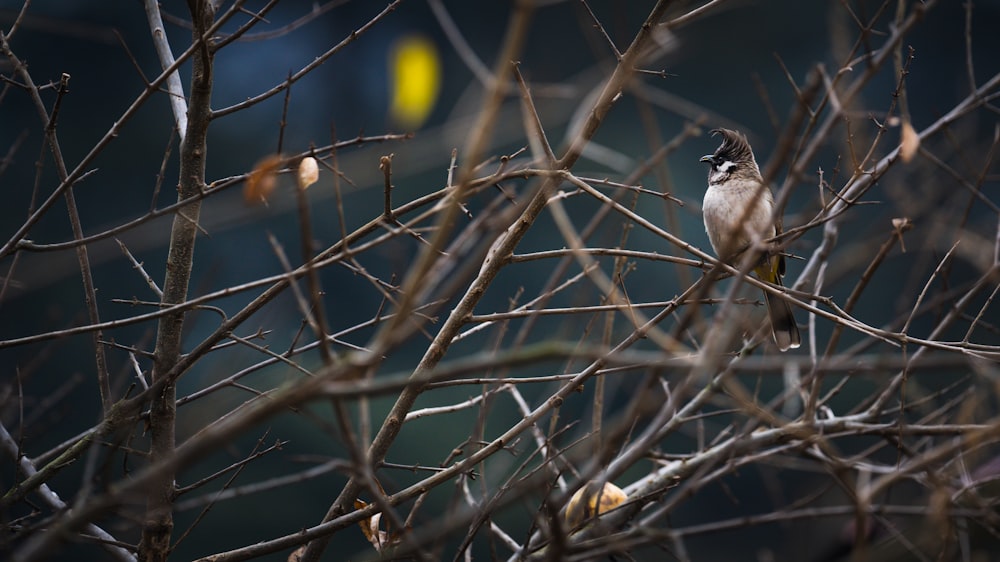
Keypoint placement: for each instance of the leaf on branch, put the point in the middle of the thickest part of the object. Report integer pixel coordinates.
(380, 539)
(262, 180)
(308, 173)
(910, 142)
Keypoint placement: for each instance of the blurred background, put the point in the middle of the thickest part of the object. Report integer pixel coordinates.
(729, 68)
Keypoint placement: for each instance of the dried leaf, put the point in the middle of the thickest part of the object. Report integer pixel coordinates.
(910, 142)
(308, 173)
(262, 180)
(380, 539)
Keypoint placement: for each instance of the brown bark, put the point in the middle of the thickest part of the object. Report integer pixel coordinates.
(158, 524)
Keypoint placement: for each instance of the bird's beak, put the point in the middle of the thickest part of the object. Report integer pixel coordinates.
(705, 158)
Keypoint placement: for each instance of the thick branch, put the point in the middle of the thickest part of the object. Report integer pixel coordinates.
(158, 524)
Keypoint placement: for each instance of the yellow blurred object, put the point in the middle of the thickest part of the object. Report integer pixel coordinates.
(415, 79)
(592, 500)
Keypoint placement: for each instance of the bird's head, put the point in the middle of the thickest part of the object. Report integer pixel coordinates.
(733, 159)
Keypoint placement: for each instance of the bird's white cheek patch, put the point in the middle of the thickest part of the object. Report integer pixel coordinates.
(721, 172)
(727, 166)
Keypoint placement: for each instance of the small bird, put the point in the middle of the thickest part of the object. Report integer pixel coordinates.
(738, 211)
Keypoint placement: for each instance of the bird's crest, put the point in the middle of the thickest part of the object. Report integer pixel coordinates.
(734, 148)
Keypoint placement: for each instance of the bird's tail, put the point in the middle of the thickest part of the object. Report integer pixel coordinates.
(783, 328)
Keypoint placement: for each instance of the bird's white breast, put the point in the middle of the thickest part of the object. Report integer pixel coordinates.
(723, 208)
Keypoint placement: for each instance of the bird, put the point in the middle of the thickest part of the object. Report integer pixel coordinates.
(738, 211)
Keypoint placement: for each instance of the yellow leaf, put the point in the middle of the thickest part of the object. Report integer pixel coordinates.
(415, 78)
(592, 500)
